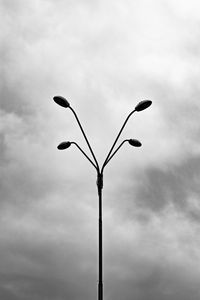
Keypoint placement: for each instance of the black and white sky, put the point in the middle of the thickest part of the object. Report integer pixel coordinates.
(104, 57)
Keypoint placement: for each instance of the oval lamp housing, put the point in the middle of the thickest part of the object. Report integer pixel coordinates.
(135, 143)
(61, 101)
(64, 145)
(143, 105)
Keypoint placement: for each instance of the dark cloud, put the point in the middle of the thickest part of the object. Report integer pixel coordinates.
(153, 190)
(32, 287)
(176, 185)
(161, 284)
(140, 275)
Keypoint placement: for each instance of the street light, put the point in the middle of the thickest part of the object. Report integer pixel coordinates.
(64, 145)
(61, 101)
(133, 142)
(143, 105)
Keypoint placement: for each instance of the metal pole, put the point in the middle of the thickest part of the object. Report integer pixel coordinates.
(100, 283)
(141, 106)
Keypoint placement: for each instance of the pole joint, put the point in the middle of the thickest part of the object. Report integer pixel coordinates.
(100, 181)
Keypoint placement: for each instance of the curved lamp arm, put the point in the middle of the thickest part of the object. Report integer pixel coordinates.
(65, 103)
(111, 156)
(108, 156)
(85, 155)
(132, 142)
(139, 107)
(79, 123)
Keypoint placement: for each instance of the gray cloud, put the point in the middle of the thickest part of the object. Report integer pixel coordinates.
(159, 188)
(104, 57)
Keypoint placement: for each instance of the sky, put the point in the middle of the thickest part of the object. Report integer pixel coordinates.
(104, 57)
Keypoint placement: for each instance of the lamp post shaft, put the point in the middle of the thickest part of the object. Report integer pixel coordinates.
(100, 282)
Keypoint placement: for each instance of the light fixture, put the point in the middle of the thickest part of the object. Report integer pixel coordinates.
(64, 145)
(143, 105)
(61, 101)
(135, 143)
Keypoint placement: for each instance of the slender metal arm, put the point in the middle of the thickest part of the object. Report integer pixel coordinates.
(79, 123)
(85, 155)
(111, 156)
(108, 156)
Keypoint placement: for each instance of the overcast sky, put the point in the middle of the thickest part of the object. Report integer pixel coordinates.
(104, 57)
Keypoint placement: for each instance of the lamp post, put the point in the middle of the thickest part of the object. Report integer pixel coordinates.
(133, 142)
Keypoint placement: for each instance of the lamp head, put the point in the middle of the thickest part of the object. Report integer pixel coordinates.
(135, 143)
(61, 101)
(64, 145)
(143, 105)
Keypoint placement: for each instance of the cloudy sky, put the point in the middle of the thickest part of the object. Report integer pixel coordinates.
(104, 57)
